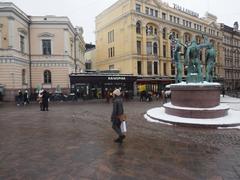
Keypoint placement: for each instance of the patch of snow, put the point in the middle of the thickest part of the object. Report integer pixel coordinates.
(159, 114)
(196, 84)
(219, 107)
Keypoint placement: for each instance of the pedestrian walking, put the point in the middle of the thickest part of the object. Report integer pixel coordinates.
(40, 99)
(19, 98)
(25, 97)
(116, 113)
(45, 98)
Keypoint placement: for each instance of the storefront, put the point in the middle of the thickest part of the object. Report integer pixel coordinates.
(154, 85)
(95, 85)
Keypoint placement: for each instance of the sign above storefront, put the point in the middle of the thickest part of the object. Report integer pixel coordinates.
(187, 11)
(116, 78)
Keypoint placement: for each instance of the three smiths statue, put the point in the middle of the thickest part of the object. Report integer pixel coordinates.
(192, 60)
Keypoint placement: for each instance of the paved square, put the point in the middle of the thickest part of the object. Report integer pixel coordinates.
(74, 140)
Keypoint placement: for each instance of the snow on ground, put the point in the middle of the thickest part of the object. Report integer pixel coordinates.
(158, 115)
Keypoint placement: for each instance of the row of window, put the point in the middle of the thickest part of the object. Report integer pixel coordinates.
(152, 48)
(152, 68)
(174, 19)
(231, 41)
(232, 74)
(46, 46)
(152, 30)
(229, 63)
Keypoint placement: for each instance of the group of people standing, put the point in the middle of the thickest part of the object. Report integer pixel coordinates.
(22, 98)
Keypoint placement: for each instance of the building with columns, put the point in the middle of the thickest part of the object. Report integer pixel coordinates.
(231, 50)
(132, 36)
(37, 51)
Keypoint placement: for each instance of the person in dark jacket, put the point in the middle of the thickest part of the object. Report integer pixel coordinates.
(45, 98)
(117, 111)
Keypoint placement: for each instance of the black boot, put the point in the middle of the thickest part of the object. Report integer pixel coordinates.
(118, 140)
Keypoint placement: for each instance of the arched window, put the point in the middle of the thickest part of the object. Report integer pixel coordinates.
(155, 48)
(47, 77)
(138, 27)
(23, 76)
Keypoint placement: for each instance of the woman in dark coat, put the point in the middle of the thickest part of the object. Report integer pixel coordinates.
(117, 111)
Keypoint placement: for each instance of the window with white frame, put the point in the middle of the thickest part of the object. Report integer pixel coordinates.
(23, 76)
(138, 8)
(22, 43)
(47, 77)
(46, 47)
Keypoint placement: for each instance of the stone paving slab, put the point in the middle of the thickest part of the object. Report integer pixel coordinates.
(74, 140)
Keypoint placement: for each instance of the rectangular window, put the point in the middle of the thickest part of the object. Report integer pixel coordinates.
(171, 18)
(155, 67)
(138, 8)
(151, 12)
(164, 51)
(164, 16)
(147, 10)
(139, 47)
(156, 13)
(111, 36)
(22, 43)
(139, 67)
(149, 48)
(164, 69)
(46, 46)
(149, 68)
(111, 52)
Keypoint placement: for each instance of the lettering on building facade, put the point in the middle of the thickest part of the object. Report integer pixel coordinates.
(187, 11)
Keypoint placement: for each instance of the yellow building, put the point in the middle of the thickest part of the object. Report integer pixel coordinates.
(37, 51)
(132, 36)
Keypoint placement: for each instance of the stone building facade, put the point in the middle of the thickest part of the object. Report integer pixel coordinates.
(231, 50)
(132, 36)
(37, 51)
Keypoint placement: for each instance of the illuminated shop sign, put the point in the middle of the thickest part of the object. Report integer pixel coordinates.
(117, 78)
(187, 11)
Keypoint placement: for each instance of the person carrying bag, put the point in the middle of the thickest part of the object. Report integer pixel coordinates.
(118, 116)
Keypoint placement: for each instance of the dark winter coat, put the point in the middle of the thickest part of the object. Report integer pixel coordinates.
(117, 108)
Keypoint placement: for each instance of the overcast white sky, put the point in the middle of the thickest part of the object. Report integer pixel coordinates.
(83, 12)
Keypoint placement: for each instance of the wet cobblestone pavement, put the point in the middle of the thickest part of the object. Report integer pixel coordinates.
(75, 141)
